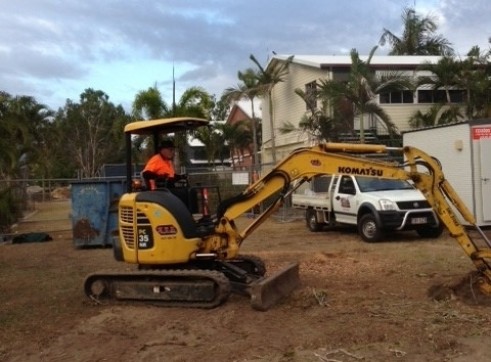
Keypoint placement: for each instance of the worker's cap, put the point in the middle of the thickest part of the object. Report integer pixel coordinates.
(166, 144)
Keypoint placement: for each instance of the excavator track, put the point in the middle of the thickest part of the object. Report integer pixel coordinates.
(168, 288)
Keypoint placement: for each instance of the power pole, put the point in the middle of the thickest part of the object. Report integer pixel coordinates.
(173, 92)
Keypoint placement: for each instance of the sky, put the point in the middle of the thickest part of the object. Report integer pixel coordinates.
(53, 50)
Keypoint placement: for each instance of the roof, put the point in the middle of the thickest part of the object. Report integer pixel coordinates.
(165, 125)
(245, 106)
(242, 111)
(324, 61)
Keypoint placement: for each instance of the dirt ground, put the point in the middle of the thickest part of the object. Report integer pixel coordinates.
(357, 302)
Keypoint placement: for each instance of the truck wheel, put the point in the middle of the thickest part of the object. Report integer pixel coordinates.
(369, 229)
(430, 232)
(311, 218)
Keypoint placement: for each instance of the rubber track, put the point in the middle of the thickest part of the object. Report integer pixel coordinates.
(223, 287)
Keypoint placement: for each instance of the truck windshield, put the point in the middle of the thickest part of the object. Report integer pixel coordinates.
(367, 184)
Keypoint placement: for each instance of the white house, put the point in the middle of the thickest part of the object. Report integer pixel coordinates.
(305, 70)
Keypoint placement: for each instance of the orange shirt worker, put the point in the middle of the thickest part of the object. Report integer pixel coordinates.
(160, 165)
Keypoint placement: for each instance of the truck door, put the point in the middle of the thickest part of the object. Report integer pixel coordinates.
(344, 200)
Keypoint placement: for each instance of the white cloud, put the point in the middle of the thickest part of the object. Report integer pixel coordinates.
(54, 49)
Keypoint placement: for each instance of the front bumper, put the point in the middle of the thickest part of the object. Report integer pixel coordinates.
(408, 220)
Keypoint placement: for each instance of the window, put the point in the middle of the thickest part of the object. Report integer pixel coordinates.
(321, 183)
(369, 184)
(396, 97)
(311, 95)
(457, 96)
(439, 96)
(347, 186)
(425, 96)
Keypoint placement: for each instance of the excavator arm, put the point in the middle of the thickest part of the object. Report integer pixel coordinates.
(351, 159)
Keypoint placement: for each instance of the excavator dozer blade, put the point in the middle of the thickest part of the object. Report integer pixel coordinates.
(267, 292)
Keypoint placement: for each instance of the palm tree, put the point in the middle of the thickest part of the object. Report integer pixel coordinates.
(418, 37)
(249, 89)
(317, 123)
(436, 115)
(475, 79)
(267, 78)
(10, 128)
(38, 145)
(238, 136)
(21, 118)
(361, 90)
(445, 75)
(212, 141)
(149, 104)
(194, 102)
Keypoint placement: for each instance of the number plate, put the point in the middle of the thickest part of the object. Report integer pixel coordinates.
(418, 220)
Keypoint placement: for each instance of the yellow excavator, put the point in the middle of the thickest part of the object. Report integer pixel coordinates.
(188, 262)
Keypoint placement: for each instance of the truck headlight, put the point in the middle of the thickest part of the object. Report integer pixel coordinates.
(386, 204)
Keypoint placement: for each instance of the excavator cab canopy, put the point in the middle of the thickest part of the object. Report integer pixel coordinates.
(164, 125)
(156, 129)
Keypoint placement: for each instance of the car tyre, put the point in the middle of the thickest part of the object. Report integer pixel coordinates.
(312, 222)
(369, 229)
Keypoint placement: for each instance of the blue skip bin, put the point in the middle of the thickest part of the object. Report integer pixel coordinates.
(95, 211)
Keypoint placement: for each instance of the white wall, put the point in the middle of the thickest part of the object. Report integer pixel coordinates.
(444, 144)
(287, 107)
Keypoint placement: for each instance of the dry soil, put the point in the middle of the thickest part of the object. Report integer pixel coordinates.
(390, 301)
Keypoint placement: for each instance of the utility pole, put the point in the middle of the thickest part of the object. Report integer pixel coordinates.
(173, 92)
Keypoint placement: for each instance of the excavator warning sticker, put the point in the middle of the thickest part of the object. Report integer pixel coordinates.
(166, 230)
(145, 238)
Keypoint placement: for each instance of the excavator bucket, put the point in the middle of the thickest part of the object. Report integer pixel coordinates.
(267, 292)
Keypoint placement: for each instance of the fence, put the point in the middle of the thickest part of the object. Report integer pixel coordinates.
(19, 197)
(24, 194)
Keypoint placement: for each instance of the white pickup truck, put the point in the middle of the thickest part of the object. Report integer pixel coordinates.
(376, 206)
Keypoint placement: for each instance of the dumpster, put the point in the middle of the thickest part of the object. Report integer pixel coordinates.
(95, 211)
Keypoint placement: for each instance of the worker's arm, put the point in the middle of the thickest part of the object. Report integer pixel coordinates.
(154, 180)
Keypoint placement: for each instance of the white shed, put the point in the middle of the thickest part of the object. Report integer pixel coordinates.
(464, 150)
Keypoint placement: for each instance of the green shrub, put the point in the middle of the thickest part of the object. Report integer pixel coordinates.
(10, 208)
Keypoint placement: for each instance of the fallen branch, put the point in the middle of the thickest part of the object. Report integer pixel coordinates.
(397, 353)
(324, 357)
(95, 300)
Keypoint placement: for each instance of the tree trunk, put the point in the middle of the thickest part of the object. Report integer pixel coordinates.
(271, 123)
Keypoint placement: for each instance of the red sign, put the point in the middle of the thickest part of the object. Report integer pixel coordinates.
(481, 132)
(166, 229)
